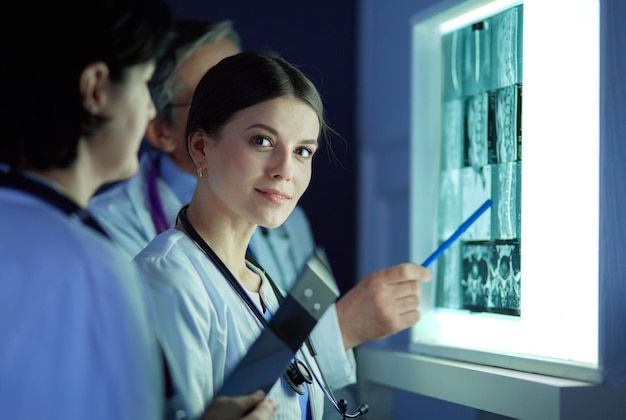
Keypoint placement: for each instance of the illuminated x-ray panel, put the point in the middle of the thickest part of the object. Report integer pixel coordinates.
(481, 159)
(487, 80)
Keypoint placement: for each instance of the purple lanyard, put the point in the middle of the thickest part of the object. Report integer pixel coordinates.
(156, 205)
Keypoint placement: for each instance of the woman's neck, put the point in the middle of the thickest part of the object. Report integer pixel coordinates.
(229, 240)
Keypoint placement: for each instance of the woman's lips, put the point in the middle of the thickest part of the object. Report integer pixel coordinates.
(274, 196)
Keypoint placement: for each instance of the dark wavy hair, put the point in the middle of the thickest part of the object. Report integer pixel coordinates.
(41, 112)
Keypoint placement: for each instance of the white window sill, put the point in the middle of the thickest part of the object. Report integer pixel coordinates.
(506, 392)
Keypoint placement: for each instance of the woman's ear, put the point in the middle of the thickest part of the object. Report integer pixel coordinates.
(93, 83)
(196, 142)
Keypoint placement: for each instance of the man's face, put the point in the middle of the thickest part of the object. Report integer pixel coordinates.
(185, 81)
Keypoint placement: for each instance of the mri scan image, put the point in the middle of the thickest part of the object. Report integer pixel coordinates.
(481, 158)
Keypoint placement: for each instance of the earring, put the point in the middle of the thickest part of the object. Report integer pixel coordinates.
(199, 171)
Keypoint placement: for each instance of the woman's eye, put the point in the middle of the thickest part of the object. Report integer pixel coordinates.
(262, 141)
(305, 152)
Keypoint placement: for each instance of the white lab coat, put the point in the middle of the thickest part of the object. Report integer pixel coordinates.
(292, 244)
(124, 212)
(76, 340)
(206, 327)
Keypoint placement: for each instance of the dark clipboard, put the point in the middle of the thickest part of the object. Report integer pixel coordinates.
(269, 356)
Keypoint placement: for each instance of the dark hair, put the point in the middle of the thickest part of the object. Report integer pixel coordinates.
(42, 116)
(244, 80)
(188, 36)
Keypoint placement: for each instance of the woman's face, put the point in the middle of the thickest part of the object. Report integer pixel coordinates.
(260, 164)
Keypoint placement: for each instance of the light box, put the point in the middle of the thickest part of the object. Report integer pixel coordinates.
(505, 105)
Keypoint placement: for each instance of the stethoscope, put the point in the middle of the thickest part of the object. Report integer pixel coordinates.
(298, 372)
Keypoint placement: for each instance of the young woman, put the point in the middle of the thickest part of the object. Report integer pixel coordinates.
(254, 125)
(77, 339)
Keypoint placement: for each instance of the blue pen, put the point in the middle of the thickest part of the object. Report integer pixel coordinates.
(464, 226)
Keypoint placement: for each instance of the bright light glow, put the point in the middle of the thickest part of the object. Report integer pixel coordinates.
(560, 185)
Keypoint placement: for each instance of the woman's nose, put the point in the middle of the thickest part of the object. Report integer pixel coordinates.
(281, 164)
